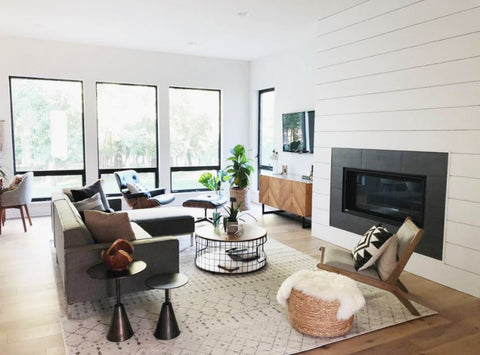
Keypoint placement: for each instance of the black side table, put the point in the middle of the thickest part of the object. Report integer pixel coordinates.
(120, 328)
(167, 327)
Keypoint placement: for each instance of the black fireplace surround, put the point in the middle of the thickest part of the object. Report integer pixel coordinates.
(385, 186)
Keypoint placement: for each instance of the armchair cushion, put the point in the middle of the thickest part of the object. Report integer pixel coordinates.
(136, 187)
(107, 227)
(90, 190)
(371, 246)
(388, 260)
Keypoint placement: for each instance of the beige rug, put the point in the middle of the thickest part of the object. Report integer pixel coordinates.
(222, 314)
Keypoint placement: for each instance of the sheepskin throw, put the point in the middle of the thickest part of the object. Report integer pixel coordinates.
(327, 286)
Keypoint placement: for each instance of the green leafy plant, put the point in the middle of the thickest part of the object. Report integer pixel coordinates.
(213, 182)
(239, 170)
(234, 213)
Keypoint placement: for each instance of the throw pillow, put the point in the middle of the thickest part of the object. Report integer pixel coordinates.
(388, 260)
(370, 247)
(90, 203)
(88, 191)
(108, 227)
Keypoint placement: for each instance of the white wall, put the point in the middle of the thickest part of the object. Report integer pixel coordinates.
(291, 74)
(405, 75)
(58, 60)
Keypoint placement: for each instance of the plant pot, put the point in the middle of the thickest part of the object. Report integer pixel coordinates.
(241, 196)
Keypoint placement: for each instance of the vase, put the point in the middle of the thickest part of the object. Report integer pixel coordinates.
(119, 255)
(232, 227)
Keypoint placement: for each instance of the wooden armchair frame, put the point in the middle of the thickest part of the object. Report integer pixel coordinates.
(393, 283)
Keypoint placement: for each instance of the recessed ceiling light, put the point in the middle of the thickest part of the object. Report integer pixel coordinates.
(242, 13)
(192, 43)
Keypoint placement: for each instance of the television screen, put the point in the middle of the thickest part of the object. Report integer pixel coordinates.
(298, 131)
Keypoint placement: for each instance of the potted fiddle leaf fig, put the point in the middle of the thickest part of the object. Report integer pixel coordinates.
(213, 182)
(239, 172)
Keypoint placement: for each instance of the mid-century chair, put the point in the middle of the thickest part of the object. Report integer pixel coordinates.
(18, 198)
(342, 262)
(136, 194)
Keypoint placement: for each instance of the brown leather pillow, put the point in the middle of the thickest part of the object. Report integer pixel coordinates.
(108, 227)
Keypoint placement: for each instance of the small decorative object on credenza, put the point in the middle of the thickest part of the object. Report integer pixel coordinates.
(119, 255)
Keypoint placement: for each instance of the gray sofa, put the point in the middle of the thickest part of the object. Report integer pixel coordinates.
(76, 250)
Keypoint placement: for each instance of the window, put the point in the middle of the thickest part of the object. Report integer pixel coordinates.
(266, 110)
(127, 132)
(47, 121)
(194, 136)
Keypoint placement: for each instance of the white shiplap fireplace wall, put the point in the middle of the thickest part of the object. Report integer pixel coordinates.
(405, 75)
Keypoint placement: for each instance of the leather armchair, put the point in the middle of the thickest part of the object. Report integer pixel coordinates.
(136, 194)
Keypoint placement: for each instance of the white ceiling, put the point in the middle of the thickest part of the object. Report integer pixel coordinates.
(235, 29)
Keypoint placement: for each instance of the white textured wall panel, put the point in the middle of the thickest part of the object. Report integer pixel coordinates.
(405, 75)
(463, 235)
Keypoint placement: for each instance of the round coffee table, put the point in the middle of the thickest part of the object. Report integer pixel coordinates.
(227, 253)
(167, 327)
(120, 328)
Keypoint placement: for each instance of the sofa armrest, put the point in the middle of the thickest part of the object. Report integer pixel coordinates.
(160, 254)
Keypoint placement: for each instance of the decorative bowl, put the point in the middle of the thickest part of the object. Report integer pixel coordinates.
(119, 255)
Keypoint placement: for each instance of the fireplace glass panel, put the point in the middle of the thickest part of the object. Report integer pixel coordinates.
(392, 197)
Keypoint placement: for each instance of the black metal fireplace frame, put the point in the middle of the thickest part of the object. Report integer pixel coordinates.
(432, 165)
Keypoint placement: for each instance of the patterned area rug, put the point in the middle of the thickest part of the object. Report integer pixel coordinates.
(222, 314)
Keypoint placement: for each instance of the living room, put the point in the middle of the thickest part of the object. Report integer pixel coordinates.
(396, 76)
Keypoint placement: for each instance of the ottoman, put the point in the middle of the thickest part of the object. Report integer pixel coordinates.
(211, 201)
(320, 304)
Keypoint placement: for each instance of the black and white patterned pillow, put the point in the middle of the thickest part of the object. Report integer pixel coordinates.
(371, 246)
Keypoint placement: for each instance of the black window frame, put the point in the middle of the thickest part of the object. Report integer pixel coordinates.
(38, 173)
(106, 171)
(201, 168)
(260, 166)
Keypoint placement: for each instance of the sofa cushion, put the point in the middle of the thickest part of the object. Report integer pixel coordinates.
(107, 227)
(162, 221)
(371, 246)
(139, 232)
(82, 193)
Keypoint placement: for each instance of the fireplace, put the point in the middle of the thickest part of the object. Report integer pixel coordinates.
(371, 186)
(386, 196)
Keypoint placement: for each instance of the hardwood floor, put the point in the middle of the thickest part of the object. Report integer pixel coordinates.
(30, 322)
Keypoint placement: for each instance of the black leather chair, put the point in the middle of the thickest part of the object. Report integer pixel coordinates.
(136, 194)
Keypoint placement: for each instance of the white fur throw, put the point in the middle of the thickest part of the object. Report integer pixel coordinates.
(327, 286)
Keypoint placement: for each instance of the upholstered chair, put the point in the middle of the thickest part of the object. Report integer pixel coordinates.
(18, 197)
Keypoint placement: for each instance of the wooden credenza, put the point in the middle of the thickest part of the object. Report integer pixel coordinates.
(288, 193)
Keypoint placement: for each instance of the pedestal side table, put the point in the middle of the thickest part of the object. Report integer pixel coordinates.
(167, 327)
(120, 328)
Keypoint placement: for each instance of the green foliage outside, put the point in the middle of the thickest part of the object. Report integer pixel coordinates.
(43, 140)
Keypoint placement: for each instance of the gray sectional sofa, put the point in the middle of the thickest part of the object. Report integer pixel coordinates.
(76, 250)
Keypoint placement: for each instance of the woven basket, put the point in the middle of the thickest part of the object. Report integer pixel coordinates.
(313, 316)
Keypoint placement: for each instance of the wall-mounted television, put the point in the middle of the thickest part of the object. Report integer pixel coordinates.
(298, 131)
